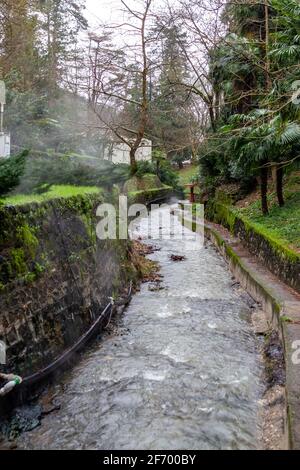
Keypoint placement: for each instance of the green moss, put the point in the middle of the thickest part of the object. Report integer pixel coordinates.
(18, 264)
(22, 226)
(26, 237)
(278, 246)
(40, 268)
(29, 252)
(80, 205)
(30, 277)
(90, 225)
(225, 216)
(285, 319)
(233, 256)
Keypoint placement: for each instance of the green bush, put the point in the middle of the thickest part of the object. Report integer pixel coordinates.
(167, 175)
(11, 170)
(44, 170)
(162, 168)
(144, 168)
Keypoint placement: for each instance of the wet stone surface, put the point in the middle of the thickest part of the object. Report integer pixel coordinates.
(185, 373)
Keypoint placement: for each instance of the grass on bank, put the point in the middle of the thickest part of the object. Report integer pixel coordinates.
(282, 223)
(55, 192)
(187, 173)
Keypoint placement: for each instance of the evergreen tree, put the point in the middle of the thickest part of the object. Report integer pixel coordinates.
(18, 44)
(255, 67)
(61, 23)
(38, 45)
(171, 105)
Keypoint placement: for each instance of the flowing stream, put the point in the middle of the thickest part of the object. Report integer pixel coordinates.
(183, 371)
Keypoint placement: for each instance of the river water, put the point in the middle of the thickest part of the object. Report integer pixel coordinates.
(183, 372)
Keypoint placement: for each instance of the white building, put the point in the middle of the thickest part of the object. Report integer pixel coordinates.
(120, 152)
(4, 145)
(4, 137)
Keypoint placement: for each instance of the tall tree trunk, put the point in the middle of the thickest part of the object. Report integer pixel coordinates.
(279, 186)
(194, 156)
(133, 164)
(157, 167)
(217, 104)
(145, 98)
(264, 190)
(212, 118)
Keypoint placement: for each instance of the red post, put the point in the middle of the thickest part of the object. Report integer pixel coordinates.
(192, 194)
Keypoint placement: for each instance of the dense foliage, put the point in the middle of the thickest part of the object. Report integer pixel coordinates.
(241, 89)
(11, 171)
(256, 69)
(43, 170)
(160, 167)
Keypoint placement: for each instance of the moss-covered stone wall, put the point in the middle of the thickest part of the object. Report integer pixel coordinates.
(55, 277)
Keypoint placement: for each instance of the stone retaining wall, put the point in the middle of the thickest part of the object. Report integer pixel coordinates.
(55, 278)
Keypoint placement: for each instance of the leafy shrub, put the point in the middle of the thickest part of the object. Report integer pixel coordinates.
(162, 168)
(11, 170)
(167, 175)
(145, 167)
(44, 170)
(178, 159)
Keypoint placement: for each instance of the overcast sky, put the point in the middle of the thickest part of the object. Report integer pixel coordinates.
(112, 11)
(98, 11)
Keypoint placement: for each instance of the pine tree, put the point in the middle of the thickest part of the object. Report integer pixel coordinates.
(18, 38)
(171, 104)
(62, 20)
